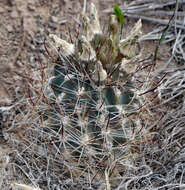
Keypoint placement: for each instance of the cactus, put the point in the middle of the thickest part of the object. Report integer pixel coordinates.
(93, 87)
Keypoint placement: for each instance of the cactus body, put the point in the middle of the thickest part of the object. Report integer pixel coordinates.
(93, 87)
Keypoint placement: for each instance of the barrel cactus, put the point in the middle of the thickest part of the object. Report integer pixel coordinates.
(93, 86)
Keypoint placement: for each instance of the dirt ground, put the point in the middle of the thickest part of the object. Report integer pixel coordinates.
(24, 25)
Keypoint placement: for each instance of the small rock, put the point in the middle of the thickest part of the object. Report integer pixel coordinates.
(31, 7)
(14, 14)
(54, 19)
(9, 28)
(19, 64)
(2, 10)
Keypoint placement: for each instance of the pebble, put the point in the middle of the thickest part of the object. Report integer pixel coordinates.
(54, 19)
(9, 28)
(2, 10)
(31, 6)
(14, 14)
(19, 64)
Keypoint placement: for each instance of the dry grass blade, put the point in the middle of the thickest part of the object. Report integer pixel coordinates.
(23, 187)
